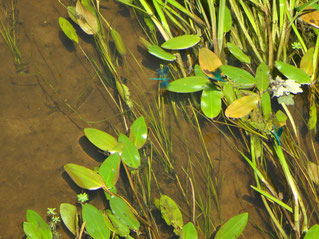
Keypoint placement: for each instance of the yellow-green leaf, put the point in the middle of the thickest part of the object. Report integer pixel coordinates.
(160, 53)
(100, 139)
(68, 29)
(208, 61)
(242, 106)
(181, 42)
(238, 53)
(306, 63)
(68, 213)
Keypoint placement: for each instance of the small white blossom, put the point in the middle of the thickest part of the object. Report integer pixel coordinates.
(282, 87)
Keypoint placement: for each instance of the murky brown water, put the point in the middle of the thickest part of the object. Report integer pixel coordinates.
(40, 134)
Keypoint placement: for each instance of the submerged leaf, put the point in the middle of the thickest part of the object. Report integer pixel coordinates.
(181, 42)
(84, 177)
(313, 172)
(233, 227)
(160, 53)
(242, 106)
(208, 61)
(188, 84)
(119, 44)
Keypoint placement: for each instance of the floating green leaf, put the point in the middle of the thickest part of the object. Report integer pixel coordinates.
(211, 102)
(130, 154)
(84, 177)
(313, 232)
(293, 73)
(68, 29)
(189, 231)
(233, 227)
(188, 84)
(94, 222)
(262, 77)
(266, 105)
(120, 228)
(109, 170)
(69, 216)
(238, 53)
(35, 227)
(240, 77)
(100, 139)
(160, 53)
(228, 92)
(242, 106)
(138, 133)
(171, 213)
(181, 42)
(123, 212)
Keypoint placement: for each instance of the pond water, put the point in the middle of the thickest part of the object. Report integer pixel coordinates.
(40, 133)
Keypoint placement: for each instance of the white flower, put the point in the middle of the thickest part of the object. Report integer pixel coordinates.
(282, 87)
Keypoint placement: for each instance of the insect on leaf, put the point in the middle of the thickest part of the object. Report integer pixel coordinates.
(242, 106)
(208, 61)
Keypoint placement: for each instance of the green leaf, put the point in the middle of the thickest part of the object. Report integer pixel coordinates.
(198, 71)
(130, 154)
(94, 222)
(262, 77)
(120, 228)
(313, 232)
(227, 20)
(109, 170)
(281, 117)
(84, 177)
(72, 13)
(119, 44)
(35, 227)
(160, 53)
(211, 102)
(238, 53)
(171, 213)
(181, 42)
(228, 92)
(293, 73)
(189, 231)
(240, 77)
(306, 63)
(68, 29)
(123, 212)
(188, 84)
(100, 139)
(233, 227)
(138, 133)
(242, 106)
(312, 117)
(69, 215)
(266, 105)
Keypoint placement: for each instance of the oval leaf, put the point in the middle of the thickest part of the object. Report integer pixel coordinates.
(94, 222)
(242, 106)
(119, 44)
(293, 73)
(189, 231)
(35, 227)
(181, 42)
(170, 212)
(160, 53)
(313, 232)
(123, 212)
(68, 213)
(130, 154)
(266, 105)
(306, 63)
(238, 53)
(100, 139)
(119, 227)
(208, 61)
(211, 102)
(84, 177)
(188, 84)
(68, 29)
(233, 227)
(262, 77)
(138, 133)
(109, 170)
(240, 77)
